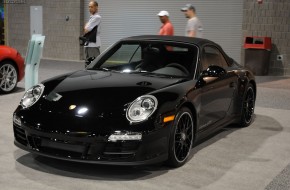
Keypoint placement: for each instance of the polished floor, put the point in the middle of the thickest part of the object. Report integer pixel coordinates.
(256, 157)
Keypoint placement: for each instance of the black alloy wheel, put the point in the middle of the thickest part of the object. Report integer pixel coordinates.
(248, 106)
(181, 139)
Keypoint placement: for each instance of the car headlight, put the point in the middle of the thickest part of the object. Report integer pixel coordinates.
(141, 109)
(32, 95)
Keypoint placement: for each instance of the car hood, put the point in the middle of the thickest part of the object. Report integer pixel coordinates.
(101, 81)
(100, 89)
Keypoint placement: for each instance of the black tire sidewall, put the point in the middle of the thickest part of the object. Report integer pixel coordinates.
(172, 161)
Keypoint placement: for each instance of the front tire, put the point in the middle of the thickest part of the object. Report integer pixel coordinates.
(181, 138)
(248, 106)
(8, 77)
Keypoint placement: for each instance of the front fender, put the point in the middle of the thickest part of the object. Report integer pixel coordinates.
(244, 79)
(172, 98)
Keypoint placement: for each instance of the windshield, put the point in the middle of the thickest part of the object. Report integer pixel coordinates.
(157, 58)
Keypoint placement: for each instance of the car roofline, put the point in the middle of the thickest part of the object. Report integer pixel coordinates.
(179, 39)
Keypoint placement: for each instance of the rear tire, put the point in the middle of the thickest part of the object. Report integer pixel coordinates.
(248, 106)
(181, 138)
(8, 77)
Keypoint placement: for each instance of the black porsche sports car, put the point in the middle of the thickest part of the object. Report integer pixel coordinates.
(146, 99)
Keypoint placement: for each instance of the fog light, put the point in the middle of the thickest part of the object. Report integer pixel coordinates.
(125, 136)
(16, 120)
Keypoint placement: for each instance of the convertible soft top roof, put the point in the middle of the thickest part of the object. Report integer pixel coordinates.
(182, 39)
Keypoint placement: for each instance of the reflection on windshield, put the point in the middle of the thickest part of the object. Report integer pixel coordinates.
(155, 58)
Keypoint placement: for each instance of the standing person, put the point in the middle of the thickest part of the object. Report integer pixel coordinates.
(92, 29)
(194, 27)
(167, 28)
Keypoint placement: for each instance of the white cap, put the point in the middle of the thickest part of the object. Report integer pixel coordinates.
(163, 13)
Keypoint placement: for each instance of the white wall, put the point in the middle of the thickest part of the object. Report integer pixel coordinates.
(222, 20)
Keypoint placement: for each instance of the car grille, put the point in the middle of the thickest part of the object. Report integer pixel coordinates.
(120, 150)
(99, 150)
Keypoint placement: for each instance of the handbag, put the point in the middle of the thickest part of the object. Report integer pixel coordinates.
(91, 36)
(83, 41)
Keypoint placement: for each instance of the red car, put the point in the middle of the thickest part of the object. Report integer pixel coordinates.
(11, 68)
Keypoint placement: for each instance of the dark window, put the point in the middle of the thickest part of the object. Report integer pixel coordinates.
(212, 56)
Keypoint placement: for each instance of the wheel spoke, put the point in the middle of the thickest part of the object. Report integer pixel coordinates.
(5, 84)
(10, 74)
(185, 146)
(186, 122)
(185, 149)
(183, 124)
(188, 128)
(179, 150)
(2, 82)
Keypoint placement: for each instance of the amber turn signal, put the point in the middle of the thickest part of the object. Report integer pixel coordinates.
(168, 118)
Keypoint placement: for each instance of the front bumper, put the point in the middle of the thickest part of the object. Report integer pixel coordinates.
(153, 148)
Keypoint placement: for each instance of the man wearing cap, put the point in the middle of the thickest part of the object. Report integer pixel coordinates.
(167, 28)
(194, 27)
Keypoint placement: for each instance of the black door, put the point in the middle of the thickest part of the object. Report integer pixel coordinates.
(217, 88)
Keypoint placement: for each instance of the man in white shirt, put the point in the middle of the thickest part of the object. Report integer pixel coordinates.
(194, 27)
(92, 49)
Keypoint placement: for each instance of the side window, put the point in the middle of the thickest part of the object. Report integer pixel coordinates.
(212, 56)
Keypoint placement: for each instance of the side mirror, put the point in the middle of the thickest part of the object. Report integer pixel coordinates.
(213, 71)
(210, 74)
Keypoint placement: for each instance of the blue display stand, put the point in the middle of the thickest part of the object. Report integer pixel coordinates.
(32, 60)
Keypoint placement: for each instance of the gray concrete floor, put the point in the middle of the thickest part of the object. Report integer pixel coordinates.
(257, 157)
